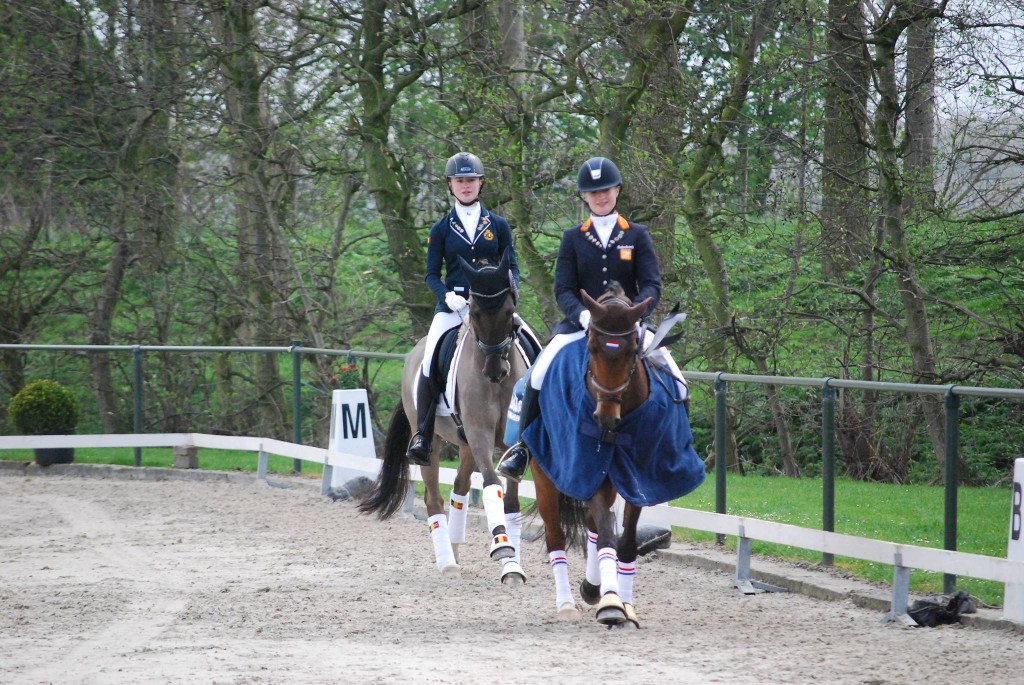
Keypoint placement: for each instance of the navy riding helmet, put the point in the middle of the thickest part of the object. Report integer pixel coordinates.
(598, 173)
(464, 165)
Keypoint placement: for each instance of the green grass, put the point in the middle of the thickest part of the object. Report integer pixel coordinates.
(909, 514)
(214, 460)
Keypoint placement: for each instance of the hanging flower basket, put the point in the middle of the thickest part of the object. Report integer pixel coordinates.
(346, 376)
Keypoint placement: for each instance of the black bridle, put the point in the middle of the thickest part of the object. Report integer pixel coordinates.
(503, 348)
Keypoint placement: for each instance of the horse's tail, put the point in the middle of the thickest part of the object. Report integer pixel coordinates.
(389, 491)
(572, 516)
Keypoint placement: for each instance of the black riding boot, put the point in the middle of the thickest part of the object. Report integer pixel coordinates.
(514, 462)
(426, 402)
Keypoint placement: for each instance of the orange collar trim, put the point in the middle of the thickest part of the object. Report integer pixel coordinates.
(621, 221)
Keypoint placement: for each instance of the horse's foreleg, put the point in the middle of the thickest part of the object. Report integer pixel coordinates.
(627, 553)
(481, 449)
(512, 571)
(610, 610)
(437, 522)
(554, 536)
(458, 505)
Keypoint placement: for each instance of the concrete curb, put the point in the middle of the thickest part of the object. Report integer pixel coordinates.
(819, 583)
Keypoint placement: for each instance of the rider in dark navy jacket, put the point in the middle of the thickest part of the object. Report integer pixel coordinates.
(585, 262)
(604, 248)
(475, 234)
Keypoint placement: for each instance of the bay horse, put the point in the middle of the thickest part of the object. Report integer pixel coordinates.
(488, 364)
(611, 423)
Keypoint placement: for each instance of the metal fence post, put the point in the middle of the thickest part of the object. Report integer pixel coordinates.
(137, 399)
(828, 464)
(296, 401)
(721, 387)
(952, 403)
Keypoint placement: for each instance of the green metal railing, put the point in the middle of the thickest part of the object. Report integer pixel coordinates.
(720, 385)
(951, 394)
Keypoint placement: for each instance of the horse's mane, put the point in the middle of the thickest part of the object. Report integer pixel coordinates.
(615, 316)
(490, 281)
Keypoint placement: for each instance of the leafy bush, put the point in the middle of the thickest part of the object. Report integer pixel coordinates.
(44, 408)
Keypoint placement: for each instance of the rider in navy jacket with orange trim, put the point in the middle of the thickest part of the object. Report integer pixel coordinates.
(604, 248)
(585, 262)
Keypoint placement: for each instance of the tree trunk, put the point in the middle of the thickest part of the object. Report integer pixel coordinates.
(844, 209)
(916, 331)
(257, 249)
(919, 160)
(384, 174)
(702, 169)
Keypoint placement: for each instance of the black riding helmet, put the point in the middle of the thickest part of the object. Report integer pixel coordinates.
(598, 173)
(464, 165)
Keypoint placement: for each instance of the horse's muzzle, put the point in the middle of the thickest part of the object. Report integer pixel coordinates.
(500, 373)
(607, 423)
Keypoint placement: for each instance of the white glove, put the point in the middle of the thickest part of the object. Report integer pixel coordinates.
(585, 319)
(455, 302)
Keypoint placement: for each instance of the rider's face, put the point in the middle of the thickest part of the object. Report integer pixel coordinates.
(602, 202)
(466, 190)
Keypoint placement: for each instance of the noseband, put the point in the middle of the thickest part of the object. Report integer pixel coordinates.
(614, 394)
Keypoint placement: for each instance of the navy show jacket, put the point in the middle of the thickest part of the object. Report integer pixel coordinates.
(449, 240)
(584, 264)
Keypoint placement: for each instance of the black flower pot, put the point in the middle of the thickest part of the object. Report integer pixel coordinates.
(54, 455)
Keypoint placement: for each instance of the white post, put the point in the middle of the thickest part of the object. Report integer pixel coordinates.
(351, 432)
(1013, 597)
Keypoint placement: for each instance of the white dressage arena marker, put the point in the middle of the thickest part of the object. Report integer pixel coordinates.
(351, 431)
(1013, 598)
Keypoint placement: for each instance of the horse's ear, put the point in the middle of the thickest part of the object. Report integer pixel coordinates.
(505, 267)
(636, 312)
(589, 302)
(468, 269)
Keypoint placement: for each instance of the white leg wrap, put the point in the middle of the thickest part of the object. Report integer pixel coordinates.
(494, 506)
(514, 528)
(443, 552)
(627, 572)
(560, 571)
(593, 572)
(457, 511)
(607, 559)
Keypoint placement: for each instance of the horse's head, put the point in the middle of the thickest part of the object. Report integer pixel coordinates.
(613, 346)
(492, 303)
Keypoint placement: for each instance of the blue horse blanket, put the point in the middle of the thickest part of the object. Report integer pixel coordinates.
(649, 458)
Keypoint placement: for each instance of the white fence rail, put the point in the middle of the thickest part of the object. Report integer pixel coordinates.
(901, 557)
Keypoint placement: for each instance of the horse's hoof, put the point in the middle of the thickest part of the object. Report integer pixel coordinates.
(631, 621)
(512, 574)
(610, 610)
(455, 552)
(568, 612)
(451, 571)
(590, 593)
(502, 547)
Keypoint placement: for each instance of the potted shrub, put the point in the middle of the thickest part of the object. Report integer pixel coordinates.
(45, 408)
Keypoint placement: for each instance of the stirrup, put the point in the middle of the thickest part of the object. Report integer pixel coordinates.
(417, 446)
(514, 462)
